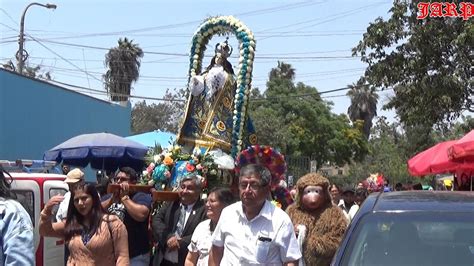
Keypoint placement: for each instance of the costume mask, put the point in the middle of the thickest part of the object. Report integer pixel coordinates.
(313, 197)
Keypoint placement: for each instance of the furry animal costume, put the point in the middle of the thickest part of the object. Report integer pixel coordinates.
(325, 226)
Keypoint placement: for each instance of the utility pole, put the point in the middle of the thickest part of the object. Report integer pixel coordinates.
(20, 55)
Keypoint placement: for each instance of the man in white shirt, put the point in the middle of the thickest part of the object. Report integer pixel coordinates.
(253, 231)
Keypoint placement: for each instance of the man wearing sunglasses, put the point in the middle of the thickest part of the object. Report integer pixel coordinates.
(133, 210)
(253, 231)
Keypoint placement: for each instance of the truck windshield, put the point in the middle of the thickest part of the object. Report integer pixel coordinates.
(412, 238)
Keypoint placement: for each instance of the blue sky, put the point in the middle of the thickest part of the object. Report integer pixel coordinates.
(314, 36)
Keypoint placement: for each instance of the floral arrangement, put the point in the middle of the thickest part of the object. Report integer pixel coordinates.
(224, 25)
(162, 166)
(266, 156)
(275, 162)
(374, 182)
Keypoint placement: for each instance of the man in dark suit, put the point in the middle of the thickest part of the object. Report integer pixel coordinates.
(175, 222)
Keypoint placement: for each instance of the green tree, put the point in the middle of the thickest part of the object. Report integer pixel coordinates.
(427, 62)
(164, 116)
(455, 131)
(296, 120)
(363, 106)
(123, 63)
(283, 70)
(386, 154)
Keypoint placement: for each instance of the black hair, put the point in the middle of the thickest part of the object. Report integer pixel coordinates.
(361, 192)
(5, 182)
(417, 186)
(225, 196)
(75, 221)
(130, 172)
(262, 171)
(335, 185)
(398, 187)
(227, 65)
(102, 183)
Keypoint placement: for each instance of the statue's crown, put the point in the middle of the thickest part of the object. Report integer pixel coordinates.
(224, 48)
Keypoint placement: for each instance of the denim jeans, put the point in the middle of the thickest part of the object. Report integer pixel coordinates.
(140, 260)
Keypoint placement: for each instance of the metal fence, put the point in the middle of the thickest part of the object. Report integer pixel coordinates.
(297, 167)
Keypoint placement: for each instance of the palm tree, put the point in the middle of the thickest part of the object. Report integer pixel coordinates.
(363, 106)
(283, 70)
(123, 63)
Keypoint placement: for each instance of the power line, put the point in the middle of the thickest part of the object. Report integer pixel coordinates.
(93, 91)
(176, 25)
(69, 62)
(187, 55)
(8, 15)
(335, 17)
(174, 100)
(184, 77)
(269, 35)
(5, 25)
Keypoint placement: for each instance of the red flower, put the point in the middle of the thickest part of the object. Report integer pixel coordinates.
(190, 167)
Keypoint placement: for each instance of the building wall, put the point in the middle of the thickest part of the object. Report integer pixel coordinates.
(36, 116)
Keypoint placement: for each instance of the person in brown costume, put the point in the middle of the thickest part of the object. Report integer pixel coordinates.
(323, 223)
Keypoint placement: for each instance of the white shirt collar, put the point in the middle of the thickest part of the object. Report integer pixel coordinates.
(265, 212)
(188, 207)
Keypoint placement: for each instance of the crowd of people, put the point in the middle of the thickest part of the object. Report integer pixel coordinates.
(248, 229)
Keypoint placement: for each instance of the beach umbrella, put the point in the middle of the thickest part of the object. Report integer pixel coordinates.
(101, 150)
(433, 161)
(153, 138)
(462, 150)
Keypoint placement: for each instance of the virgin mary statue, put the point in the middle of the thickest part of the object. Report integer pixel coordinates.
(210, 107)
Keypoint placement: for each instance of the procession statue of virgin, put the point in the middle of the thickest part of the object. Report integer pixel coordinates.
(215, 115)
